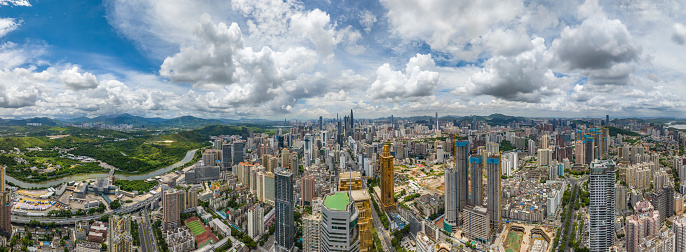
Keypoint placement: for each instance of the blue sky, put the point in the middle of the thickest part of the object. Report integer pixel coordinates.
(303, 59)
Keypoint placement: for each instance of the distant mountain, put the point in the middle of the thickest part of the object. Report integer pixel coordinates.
(23, 122)
(181, 122)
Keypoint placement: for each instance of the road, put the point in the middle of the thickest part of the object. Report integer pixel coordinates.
(570, 226)
(150, 238)
(144, 246)
(383, 234)
(268, 245)
(20, 219)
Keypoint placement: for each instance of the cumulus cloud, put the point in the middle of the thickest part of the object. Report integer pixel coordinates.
(448, 24)
(315, 26)
(212, 61)
(75, 80)
(598, 43)
(19, 87)
(7, 25)
(508, 42)
(601, 48)
(524, 77)
(679, 35)
(414, 82)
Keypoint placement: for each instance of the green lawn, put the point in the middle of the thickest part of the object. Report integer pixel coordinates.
(513, 242)
(195, 227)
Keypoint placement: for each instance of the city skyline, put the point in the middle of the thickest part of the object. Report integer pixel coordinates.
(305, 59)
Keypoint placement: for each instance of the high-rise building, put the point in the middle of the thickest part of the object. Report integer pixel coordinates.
(171, 208)
(663, 200)
(307, 190)
(462, 172)
(339, 229)
(311, 232)
(589, 150)
(211, 157)
(119, 234)
(644, 223)
(602, 207)
(5, 206)
(387, 180)
(545, 157)
(349, 181)
(544, 142)
(192, 198)
(255, 221)
(475, 223)
(226, 157)
(450, 186)
(493, 191)
(621, 197)
(285, 226)
(579, 152)
(352, 183)
(606, 142)
(680, 233)
(237, 152)
(475, 172)
(285, 158)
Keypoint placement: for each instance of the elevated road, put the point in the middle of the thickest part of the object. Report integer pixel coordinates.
(21, 219)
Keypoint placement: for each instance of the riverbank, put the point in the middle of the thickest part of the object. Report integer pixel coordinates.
(190, 156)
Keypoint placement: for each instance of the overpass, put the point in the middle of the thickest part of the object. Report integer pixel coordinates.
(21, 219)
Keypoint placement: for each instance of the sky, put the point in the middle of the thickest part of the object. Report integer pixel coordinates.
(304, 59)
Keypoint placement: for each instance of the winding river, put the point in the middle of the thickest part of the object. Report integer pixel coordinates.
(189, 156)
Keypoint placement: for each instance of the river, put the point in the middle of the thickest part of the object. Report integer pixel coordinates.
(189, 156)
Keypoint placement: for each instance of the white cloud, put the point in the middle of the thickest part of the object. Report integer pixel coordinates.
(447, 24)
(679, 35)
(75, 80)
(601, 48)
(396, 85)
(367, 20)
(7, 25)
(15, 3)
(525, 77)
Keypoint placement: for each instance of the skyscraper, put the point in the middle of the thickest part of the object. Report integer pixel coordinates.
(476, 198)
(450, 186)
(339, 229)
(5, 206)
(226, 157)
(285, 226)
(601, 186)
(461, 168)
(644, 223)
(237, 152)
(589, 150)
(493, 190)
(321, 126)
(456, 187)
(386, 181)
(171, 208)
(680, 233)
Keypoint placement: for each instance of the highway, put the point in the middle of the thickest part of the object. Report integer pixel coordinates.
(150, 237)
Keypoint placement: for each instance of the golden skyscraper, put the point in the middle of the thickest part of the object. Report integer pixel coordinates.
(386, 166)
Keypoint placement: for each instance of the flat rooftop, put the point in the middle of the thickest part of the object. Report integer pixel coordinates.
(338, 201)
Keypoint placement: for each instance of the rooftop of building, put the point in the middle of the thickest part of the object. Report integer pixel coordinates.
(337, 201)
(349, 175)
(360, 195)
